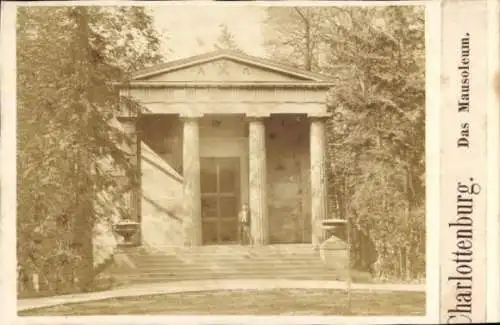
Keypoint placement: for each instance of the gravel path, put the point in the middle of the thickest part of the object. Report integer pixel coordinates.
(207, 285)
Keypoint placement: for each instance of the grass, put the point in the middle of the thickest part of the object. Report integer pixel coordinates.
(250, 302)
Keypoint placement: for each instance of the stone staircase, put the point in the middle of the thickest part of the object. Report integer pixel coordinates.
(290, 261)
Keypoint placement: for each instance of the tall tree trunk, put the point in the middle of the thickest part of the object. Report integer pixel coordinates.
(82, 229)
(307, 38)
(308, 45)
(84, 222)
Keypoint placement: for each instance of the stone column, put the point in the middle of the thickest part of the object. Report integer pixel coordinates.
(319, 194)
(191, 223)
(129, 126)
(257, 181)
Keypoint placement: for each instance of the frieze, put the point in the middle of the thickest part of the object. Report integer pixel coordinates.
(229, 95)
(247, 108)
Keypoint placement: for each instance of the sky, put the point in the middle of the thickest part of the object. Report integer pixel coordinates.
(193, 30)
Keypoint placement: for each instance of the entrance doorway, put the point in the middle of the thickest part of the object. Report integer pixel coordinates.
(220, 199)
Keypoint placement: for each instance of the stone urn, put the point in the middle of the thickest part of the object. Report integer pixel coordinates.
(126, 229)
(333, 250)
(332, 227)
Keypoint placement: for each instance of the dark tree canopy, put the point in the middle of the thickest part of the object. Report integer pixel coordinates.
(67, 57)
(376, 138)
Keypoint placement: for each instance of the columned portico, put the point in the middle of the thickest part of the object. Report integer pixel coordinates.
(258, 180)
(191, 224)
(319, 197)
(250, 131)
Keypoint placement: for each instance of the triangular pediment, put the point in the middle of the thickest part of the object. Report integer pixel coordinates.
(223, 66)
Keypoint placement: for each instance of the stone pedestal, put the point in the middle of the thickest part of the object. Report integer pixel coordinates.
(319, 196)
(191, 223)
(258, 181)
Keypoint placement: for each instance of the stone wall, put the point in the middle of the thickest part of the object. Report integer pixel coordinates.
(288, 179)
(161, 202)
(163, 135)
(160, 209)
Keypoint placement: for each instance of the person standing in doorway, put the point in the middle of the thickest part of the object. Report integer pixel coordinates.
(244, 225)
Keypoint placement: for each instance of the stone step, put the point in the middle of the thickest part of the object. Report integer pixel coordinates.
(232, 267)
(140, 280)
(311, 274)
(227, 275)
(225, 253)
(158, 277)
(252, 264)
(144, 280)
(230, 254)
(230, 249)
(296, 261)
(200, 271)
(340, 275)
(256, 263)
(188, 260)
(230, 259)
(200, 266)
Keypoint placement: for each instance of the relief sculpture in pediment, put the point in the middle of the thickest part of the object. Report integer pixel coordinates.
(223, 70)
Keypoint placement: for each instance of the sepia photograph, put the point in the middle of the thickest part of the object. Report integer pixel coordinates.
(223, 159)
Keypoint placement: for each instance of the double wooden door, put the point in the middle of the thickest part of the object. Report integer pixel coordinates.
(220, 199)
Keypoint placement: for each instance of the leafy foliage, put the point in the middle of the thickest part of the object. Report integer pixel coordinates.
(377, 133)
(67, 57)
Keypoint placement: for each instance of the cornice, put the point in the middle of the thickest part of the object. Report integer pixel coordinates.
(255, 61)
(218, 84)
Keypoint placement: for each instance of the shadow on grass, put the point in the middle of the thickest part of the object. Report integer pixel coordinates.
(250, 302)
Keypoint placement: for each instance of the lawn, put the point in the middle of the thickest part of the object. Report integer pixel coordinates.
(250, 302)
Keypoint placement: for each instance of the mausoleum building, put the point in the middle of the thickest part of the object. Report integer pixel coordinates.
(222, 129)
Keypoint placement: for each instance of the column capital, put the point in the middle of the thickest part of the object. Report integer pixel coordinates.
(190, 118)
(190, 113)
(319, 116)
(256, 117)
(257, 114)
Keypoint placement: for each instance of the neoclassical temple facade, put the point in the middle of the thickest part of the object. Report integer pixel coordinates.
(222, 129)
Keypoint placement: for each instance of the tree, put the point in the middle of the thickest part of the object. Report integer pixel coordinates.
(291, 35)
(67, 57)
(376, 138)
(383, 111)
(226, 40)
